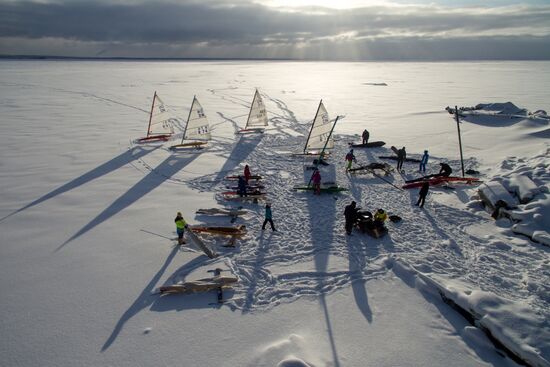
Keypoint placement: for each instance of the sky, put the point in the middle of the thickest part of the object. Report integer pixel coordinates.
(352, 30)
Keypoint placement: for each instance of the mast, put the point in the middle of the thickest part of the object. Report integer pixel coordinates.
(151, 113)
(326, 141)
(250, 111)
(313, 124)
(323, 151)
(188, 117)
(459, 139)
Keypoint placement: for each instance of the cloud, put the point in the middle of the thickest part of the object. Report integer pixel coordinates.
(219, 29)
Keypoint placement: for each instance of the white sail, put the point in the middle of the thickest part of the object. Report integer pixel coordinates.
(257, 115)
(160, 118)
(197, 124)
(320, 131)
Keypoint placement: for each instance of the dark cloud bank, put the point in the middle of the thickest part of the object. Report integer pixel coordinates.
(246, 30)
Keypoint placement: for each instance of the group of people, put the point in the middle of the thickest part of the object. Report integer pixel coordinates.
(351, 215)
(351, 211)
(445, 169)
(243, 187)
(181, 225)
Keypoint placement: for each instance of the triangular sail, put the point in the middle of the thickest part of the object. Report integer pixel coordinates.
(197, 124)
(319, 135)
(257, 115)
(160, 118)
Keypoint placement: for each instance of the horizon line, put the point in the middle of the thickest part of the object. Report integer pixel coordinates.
(130, 58)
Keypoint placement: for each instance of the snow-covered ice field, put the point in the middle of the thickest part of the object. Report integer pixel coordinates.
(87, 231)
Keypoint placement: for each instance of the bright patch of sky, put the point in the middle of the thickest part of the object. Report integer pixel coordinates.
(347, 4)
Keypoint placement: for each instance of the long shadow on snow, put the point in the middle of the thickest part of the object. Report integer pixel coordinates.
(241, 150)
(322, 212)
(143, 300)
(492, 120)
(191, 301)
(161, 173)
(106, 168)
(357, 262)
(359, 248)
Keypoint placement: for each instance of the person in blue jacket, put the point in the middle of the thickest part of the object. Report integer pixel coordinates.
(424, 161)
(268, 217)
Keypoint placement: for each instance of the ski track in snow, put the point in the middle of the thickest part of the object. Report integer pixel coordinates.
(310, 231)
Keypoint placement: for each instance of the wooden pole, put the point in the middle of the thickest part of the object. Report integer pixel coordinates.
(459, 140)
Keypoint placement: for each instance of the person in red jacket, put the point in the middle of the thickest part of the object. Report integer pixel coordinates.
(246, 173)
(350, 157)
(316, 179)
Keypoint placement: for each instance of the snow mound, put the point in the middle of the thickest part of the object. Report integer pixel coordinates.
(534, 219)
(524, 188)
(501, 114)
(529, 180)
(293, 362)
(507, 108)
(511, 325)
(292, 351)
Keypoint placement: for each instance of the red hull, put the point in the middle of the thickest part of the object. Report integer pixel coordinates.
(154, 138)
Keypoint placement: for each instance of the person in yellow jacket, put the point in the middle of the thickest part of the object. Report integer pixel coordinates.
(180, 227)
(380, 217)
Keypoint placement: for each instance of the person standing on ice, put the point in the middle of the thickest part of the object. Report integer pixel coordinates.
(316, 179)
(365, 136)
(445, 170)
(350, 214)
(422, 194)
(423, 162)
(246, 173)
(268, 217)
(401, 156)
(350, 157)
(242, 187)
(180, 227)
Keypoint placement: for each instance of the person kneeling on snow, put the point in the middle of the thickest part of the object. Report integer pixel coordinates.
(180, 227)
(379, 218)
(445, 170)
